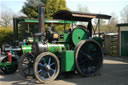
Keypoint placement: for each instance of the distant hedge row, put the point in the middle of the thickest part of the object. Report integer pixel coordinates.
(6, 35)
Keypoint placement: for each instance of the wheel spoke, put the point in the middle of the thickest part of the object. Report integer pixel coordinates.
(44, 60)
(83, 53)
(51, 64)
(86, 55)
(49, 61)
(41, 65)
(49, 75)
(89, 49)
(52, 70)
(45, 73)
(40, 70)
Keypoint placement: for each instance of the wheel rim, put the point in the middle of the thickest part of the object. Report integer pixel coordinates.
(88, 57)
(47, 67)
(27, 65)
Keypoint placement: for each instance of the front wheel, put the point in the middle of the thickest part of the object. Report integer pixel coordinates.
(26, 65)
(46, 67)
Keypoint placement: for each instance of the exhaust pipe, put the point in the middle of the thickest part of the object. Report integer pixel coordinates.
(41, 12)
(15, 31)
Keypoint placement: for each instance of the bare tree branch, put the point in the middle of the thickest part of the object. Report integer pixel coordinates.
(124, 14)
(5, 19)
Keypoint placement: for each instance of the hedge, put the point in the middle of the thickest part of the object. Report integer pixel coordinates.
(6, 35)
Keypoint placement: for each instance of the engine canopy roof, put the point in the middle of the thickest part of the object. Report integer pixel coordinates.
(78, 16)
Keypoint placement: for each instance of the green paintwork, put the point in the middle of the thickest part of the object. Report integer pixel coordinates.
(60, 47)
(67, 37)
(8, 64)
(56, 48)
(26, 48)
(122, 24)
(31, 21)
(78, 35)
(67, 61)
(49, 21)
(124, 43)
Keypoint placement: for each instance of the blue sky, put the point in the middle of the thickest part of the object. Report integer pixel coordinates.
(94, 6)
(103, 6)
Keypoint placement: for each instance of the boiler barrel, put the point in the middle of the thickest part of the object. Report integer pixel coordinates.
(39, 47)
(55, 47)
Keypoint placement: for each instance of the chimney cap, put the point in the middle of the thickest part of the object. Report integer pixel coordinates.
(41, 4)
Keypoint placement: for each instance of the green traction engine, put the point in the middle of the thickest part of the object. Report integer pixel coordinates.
(10, 54)
(62, 52)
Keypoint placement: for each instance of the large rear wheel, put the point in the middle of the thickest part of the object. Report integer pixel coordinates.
(88, 57)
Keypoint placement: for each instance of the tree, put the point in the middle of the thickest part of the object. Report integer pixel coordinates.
(124, 14)
(30, 8)
(5, 19)
(108, 26)
(53, 6)
(111, 26)
(62, 5)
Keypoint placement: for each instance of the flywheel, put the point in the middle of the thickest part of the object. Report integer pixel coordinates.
(79, 33)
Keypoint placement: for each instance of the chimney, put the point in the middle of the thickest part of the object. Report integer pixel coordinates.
(15, 30)
(41, 11)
